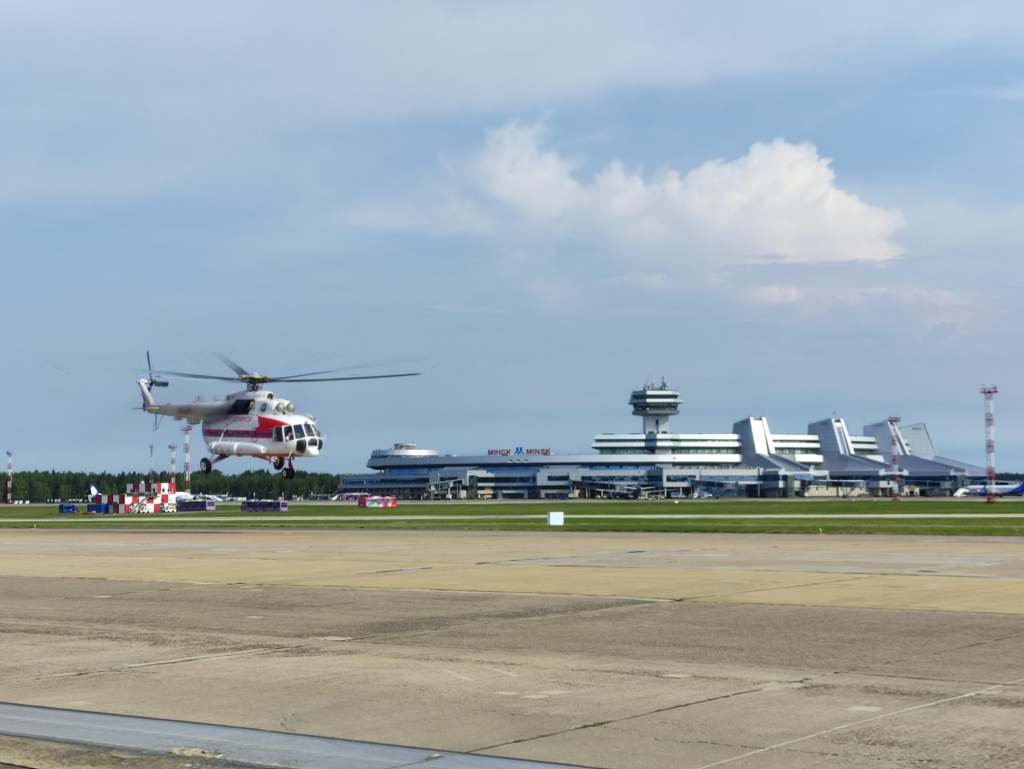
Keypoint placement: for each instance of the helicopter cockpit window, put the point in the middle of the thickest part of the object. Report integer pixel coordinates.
(288, 435)
(311, 430)
(299, 432)
(278, 435)
(241, 406)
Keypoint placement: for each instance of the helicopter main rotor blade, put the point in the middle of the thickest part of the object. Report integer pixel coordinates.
(231, 364)
(372, 364)
(340, 378)
(197, 376)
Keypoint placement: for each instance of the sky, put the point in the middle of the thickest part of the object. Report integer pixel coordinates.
(787, 209)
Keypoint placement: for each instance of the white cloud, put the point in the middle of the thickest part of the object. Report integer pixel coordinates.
(513, 168)
(779, 201)
(777, 294)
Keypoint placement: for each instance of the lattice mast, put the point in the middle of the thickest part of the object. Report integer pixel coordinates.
(893, 421)
(174, 450)
(10, 476)
(187, 429)
(990, 442)
(151, 463)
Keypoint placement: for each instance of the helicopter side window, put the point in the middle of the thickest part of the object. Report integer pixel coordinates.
(241, 406)
(278, 435)
(288, 435)
(299, 432)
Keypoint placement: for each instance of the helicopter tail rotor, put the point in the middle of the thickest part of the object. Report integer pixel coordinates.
(155, 380)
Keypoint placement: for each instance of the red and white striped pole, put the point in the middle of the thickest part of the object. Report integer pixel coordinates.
(893, 421)
(188, 469)
(173, 459)
(151, 463)
(10, 476)
(990, 442)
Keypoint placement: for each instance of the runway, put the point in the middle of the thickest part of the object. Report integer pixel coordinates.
(606, 650)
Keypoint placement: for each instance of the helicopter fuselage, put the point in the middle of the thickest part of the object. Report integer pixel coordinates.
(258, 424)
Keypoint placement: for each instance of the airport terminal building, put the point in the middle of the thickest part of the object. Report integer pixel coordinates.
(748, 461)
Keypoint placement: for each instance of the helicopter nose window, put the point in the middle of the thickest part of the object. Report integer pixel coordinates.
(288, 435)
(311, 430)
(298, 432)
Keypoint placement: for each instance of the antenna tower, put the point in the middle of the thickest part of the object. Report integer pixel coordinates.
(10, 475)
(893, 421)
(173, 449)
(151, 463)
(990, 442)
(187, 428)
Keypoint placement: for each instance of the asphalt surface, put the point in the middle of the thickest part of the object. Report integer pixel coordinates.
(596, 680)
(159, 738)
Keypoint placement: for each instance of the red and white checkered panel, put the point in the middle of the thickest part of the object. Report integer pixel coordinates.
(123, 503)
(131, 499)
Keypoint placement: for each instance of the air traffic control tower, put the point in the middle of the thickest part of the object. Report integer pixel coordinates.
(655, 405)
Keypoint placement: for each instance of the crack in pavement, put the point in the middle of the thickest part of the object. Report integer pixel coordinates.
(640, 603)
(866, 674)
(637, 603)
(772, 587)
(610, 721)
(853, 724)
(652, 661)
(685, 742)
(125, 668)
(953, 648)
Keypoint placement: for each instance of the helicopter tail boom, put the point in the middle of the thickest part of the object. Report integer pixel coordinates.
(194, 412)
(147, 399)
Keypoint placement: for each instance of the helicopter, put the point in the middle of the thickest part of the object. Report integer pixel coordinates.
(251, 423)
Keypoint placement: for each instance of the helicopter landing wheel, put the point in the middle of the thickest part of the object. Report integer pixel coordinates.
(205, 465)
(288, 473)
(278, 462)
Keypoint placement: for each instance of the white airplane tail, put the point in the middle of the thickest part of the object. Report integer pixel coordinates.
(93, 491)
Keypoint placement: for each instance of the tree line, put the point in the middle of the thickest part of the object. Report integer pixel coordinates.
(43, 486)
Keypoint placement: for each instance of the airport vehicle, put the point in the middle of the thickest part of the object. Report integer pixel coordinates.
(999, 489)
(369, 501)
(66, 507)
(251, 423)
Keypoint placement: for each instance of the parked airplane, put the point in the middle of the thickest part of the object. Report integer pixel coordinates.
(999, 489)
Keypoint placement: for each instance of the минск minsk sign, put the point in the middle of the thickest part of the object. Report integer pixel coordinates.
(517, 451)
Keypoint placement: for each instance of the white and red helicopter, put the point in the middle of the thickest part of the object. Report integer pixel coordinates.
(251, 423)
